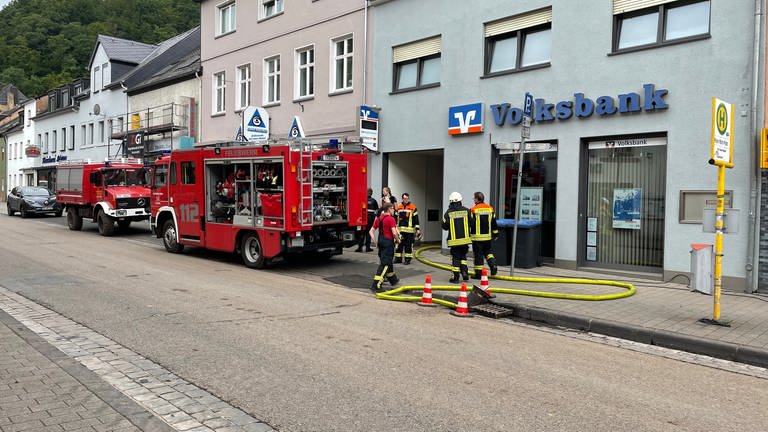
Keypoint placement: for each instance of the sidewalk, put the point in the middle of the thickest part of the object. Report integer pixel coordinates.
(42, 389)
(659, 313)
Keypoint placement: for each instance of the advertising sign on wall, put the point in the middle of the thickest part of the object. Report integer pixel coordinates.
(626, 208)
(531, 199)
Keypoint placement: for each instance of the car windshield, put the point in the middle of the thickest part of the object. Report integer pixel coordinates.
(125, 177)
(35, 191)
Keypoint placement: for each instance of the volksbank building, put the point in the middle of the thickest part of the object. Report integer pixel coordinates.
(615, 167)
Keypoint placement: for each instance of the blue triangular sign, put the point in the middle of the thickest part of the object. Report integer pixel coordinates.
(256, 120)
(296, 130)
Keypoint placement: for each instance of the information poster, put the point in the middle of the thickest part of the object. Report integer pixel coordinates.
(626, 208)
(531, 199)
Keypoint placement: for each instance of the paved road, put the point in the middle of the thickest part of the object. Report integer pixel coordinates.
(302, 355)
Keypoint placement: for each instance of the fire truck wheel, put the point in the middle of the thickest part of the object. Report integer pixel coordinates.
(169, 238)
(253, 255)
(74, 220)
(106, 224)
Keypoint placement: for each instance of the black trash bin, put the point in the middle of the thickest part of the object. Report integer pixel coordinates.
(528, 251)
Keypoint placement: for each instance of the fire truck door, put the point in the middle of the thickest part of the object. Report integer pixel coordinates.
(187, 199)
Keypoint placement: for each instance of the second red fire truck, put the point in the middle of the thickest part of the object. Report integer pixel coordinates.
(109, 192)
(262, 201)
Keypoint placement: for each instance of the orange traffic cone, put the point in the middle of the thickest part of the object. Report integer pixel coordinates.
(484, 283)
(461, 308)
(426, 296)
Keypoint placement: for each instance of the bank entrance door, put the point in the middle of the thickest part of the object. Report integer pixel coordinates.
(623, 227)
(539, 189)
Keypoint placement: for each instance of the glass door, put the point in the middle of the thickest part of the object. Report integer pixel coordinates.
(626, 184)
(539, 189)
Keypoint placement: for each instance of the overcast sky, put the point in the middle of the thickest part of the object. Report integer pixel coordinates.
(3, 3)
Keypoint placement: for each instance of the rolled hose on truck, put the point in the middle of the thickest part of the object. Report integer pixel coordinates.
(392, 294)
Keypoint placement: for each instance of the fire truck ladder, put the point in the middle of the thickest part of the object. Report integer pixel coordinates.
(305, 183)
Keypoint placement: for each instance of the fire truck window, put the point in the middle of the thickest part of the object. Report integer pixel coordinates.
(173, 173)
(188, 172)
(161, 175)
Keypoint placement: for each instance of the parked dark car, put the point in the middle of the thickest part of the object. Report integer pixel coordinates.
(29, 200)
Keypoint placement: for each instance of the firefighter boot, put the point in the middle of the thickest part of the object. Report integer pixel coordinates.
(464, 272)
(476, 274)
(394, 280)
(492, 265)
(398, 260)
(455, 278)
(407, 261)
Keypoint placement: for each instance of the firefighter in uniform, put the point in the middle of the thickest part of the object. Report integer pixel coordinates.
(387, 237)
(408, 225)
(484, 231)
(457, 220)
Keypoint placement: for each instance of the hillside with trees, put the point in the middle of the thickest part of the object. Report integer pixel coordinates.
(46, 43)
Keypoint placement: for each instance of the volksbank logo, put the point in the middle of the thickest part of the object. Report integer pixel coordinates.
(583, 107)
(465, 119)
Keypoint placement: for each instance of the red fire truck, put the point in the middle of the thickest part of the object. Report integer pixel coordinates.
(106, 192)
(262, 201)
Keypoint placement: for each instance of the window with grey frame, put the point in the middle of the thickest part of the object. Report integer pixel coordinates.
(422, 72)
(665, 24)
(521, 49)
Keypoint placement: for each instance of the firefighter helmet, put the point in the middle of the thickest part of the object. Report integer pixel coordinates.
(454, 197)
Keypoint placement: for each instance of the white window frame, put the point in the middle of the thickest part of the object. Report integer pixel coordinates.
(272, 80)
(307, 69)
(219, 93)
(243, 86)
(270, 8)
(226, 18)
(97, 79)
(105, 77)
(347, 63)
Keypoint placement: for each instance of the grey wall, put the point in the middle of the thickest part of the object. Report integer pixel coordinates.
(580, 62)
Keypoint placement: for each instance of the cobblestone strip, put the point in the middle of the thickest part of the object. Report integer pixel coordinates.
(182, 405)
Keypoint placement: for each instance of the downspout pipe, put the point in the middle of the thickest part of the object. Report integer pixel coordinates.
(753, 241)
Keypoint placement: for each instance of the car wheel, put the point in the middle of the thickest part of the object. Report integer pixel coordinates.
(106, 224)
(253, 254)
(10, 210)
(169, 238)
(74, 220)
(23, 211)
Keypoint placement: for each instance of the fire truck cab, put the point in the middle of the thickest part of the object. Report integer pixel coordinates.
(262, 201)
(104, 192)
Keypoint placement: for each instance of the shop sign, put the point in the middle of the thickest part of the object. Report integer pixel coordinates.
(32, 151)
(465, 119)
(296, 130)
(255, 125)
(54, 159)
(369, 127)
(135, 146)
(583, 107)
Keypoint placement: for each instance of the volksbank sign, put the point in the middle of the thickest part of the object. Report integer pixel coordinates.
(582, 107)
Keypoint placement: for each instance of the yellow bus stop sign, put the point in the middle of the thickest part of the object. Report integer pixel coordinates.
(722, 133)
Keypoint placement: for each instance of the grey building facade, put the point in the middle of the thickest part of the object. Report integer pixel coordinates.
(616, 167)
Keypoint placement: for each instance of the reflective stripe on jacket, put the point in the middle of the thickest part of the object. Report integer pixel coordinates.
(407, 218)
(457, 221)
(484, 228)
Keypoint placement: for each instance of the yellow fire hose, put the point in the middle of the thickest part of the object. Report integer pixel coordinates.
(391, 294)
